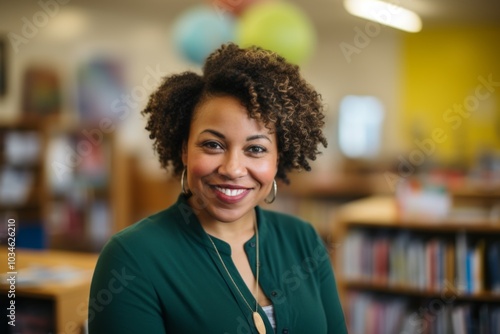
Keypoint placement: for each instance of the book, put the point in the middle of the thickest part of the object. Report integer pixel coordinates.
(461, 261)
(478, 266)
(493, 266)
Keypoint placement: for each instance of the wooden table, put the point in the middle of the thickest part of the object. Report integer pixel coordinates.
(69, 296)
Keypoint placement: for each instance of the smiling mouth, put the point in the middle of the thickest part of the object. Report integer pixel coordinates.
(231, 192)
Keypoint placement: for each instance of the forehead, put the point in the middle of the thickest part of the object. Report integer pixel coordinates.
(225, 112)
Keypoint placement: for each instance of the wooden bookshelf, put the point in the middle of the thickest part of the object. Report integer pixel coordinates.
(341, 185)
(382, 212)
(91, 208)
(22, 150)
(383, 287)
(100, 184)
(368, 230)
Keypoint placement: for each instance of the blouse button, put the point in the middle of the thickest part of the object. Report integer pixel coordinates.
(285, 331)
(252, 244)
(274, 293)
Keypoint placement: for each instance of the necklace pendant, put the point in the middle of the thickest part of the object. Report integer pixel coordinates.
(259, 323)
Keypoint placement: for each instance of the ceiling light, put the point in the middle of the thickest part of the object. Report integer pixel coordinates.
(385, 13)
(68, 24)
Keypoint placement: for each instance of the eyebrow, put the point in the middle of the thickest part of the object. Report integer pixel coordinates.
(249, 138)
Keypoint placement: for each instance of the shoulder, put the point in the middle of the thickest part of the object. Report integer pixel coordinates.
(147, 227)
(293, 239)
(288, 226)
(284, 220)
(148, 234)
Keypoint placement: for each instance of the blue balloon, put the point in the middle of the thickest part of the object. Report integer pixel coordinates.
(200, 31)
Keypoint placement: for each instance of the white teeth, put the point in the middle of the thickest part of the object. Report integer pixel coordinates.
(230, 192)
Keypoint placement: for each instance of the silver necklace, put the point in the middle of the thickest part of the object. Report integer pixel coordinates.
(257, 319)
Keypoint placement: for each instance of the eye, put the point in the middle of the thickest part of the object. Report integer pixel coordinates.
(257, 149)
(212, 145)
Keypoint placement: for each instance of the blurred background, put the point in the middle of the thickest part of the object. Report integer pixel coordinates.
(406, 196)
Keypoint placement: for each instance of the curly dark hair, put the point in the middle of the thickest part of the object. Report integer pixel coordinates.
(271, 89)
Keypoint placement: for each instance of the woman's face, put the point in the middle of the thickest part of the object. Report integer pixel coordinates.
(231, 160)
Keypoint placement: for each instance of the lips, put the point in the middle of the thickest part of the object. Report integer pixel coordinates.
(230, 194)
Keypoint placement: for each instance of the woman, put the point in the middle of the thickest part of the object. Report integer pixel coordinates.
(215, 262)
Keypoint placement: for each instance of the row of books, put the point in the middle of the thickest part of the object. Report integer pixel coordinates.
(16, 186)
(79, 177)
(427, 263)
(73, 159)
(375, 314)
(478, 264)
(19, 153)
(92, 221)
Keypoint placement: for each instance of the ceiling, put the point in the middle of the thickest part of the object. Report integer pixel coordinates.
(459, 11)
(322, 12)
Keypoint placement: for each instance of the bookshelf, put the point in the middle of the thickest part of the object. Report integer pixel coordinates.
(22, 182)
(68, 193)
(67, 185)
(88, 189)
(316, 197)
(417, 275)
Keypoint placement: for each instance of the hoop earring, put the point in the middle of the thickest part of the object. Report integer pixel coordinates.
(183, 176)
(274, 192)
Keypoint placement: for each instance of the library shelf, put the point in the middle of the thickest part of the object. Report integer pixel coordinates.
(440, 226)
(74, 186)
(391, 261)
(449, 293)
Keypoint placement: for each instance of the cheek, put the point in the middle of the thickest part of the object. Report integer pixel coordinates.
(198, 171)
(200, 166)
(265, 171)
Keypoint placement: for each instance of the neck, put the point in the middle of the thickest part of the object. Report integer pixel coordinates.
(231, 232)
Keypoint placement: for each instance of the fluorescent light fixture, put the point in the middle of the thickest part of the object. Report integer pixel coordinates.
(385, 13)
(68, 24)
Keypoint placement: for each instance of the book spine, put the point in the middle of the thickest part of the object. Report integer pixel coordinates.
(493, 269)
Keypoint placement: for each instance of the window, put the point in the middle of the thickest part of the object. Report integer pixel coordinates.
(360, 125)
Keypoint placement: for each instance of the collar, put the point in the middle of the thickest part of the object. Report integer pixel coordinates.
(191, 225)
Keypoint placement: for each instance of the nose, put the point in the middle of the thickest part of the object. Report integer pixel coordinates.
(232, 166)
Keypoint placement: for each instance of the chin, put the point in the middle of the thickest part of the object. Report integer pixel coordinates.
(227, 215)
(222, 211)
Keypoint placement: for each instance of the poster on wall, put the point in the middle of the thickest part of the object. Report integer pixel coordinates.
(101, 85)
(3, 66)
(41, 91)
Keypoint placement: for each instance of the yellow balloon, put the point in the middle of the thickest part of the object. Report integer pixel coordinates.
(280, 27)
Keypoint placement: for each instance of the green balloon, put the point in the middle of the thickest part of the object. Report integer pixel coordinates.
(280, 27)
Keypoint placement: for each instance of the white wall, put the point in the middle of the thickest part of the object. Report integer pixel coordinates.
(141, 43)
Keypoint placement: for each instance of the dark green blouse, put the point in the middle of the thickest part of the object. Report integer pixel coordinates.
(162, 275)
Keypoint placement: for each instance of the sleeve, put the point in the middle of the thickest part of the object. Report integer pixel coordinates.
(122, 299)
(329, 295)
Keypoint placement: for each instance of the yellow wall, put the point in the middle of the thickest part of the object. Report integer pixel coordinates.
(441, 67)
